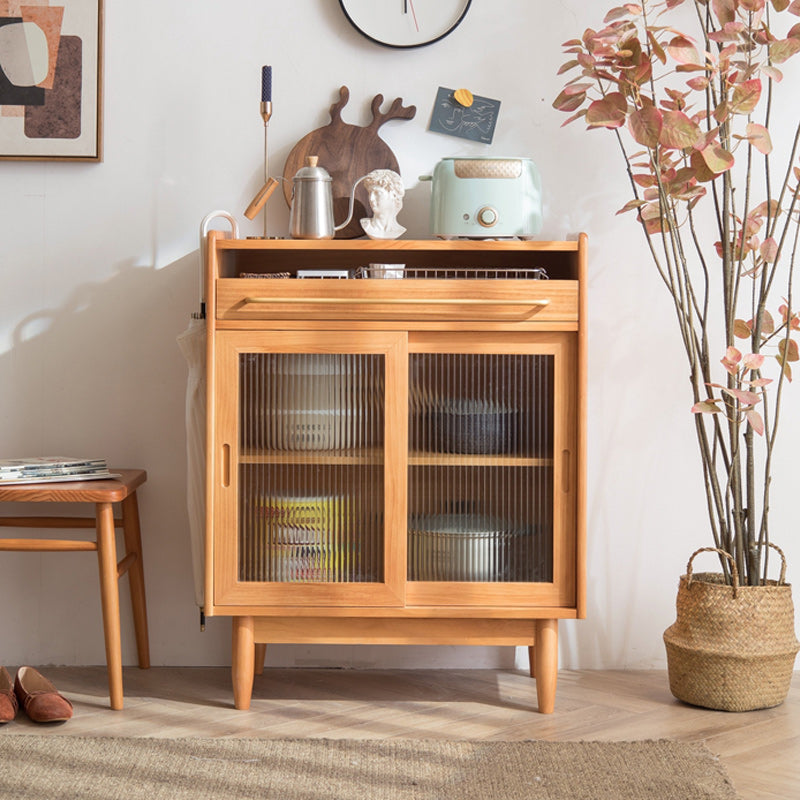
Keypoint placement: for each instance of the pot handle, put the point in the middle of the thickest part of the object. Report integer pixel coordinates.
(734, 570)
(261, 198)
(352, 205)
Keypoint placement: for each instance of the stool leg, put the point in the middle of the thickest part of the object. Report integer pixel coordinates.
(133, 544)
(109, 598)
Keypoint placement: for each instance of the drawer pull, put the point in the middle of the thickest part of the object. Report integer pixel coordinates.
(395, 301)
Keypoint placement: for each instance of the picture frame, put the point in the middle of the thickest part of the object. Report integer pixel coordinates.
(51, 80)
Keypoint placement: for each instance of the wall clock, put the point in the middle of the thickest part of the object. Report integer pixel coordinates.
(405, 23)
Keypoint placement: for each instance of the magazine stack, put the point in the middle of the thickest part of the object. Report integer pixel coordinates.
(52, 469)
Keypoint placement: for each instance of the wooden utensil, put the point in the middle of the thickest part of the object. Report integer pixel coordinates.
(348, 152)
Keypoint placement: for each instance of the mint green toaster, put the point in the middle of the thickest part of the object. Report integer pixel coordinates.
(485, 198)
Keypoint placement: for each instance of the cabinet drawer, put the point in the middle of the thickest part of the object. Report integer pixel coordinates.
(457, 300)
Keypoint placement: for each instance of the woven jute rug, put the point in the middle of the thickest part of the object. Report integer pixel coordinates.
(67, 767)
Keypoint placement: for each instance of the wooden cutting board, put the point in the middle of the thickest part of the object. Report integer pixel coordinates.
(347, 152)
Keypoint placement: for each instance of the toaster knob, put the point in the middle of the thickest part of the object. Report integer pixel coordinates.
(487, 216)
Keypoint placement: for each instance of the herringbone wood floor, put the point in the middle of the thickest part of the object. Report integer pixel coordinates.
(760, 749)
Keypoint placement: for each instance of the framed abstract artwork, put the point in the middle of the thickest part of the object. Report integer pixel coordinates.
(51, 80)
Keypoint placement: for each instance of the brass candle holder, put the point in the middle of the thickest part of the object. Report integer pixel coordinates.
(260, 200)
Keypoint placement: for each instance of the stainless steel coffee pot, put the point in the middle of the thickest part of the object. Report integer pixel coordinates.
(311, 215)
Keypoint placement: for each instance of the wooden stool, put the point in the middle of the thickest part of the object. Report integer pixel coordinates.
(103, 493)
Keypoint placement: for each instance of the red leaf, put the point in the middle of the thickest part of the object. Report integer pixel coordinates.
(698, 84)
(731, 360)
(773, 73)
(787, 370)
(683, 51)
(706, 407)
(608, 112)
(630, 205)
(627, 10)
(725, 10)
(577, 88)
(789, 350)
(769, 250)
(783, 50)
(644, 180)
(678, 131)
(717, 159)
(759, 137)
(581, 113)
(746, 96)
(645, 125)
(766, 208)
(730, 33)
(722, 112)
(753, 361)
(657, 49)
(745, 398)
(703, 173)
(755, 421)
(566, 102)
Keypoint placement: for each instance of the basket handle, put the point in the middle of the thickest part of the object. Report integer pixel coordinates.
(782, 578)
(734, 570)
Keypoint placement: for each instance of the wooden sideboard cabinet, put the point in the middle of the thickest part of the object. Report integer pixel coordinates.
(396, 461)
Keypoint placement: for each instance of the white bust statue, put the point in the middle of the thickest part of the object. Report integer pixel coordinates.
(386, 192)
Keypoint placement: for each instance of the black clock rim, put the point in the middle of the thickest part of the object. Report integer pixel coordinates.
(406, 46)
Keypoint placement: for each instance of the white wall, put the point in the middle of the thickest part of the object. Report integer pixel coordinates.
(99, 274)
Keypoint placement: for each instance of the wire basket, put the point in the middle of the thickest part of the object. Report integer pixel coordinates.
(453, 273)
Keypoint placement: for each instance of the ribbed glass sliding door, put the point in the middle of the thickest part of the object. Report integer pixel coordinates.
(480, 488)
(311, 467)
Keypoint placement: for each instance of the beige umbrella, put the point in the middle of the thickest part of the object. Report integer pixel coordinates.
(192, 343)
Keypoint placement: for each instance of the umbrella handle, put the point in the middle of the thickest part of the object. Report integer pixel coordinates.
(204, 225)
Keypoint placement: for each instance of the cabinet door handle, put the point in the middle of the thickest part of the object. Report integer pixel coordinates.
(566, 471)
(532, 305)
(226, 466)
(397, 301)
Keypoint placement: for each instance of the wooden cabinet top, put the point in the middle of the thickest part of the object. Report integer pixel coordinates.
(251, 280)
(231, 257)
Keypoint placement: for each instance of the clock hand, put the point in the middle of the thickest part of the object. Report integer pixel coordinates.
(411, 3)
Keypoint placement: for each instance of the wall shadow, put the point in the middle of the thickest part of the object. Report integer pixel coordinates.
(101, 375)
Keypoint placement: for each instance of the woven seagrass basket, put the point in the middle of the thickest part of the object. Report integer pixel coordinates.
(732, 647)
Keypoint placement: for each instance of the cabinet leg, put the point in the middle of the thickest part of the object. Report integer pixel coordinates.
(242, 661)
(532, 660)
(546, 663)
(261, 654)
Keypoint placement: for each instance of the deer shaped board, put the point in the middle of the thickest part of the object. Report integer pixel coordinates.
(348, 152)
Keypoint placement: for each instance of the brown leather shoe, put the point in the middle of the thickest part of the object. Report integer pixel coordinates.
(8, 700)
(39, 698)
